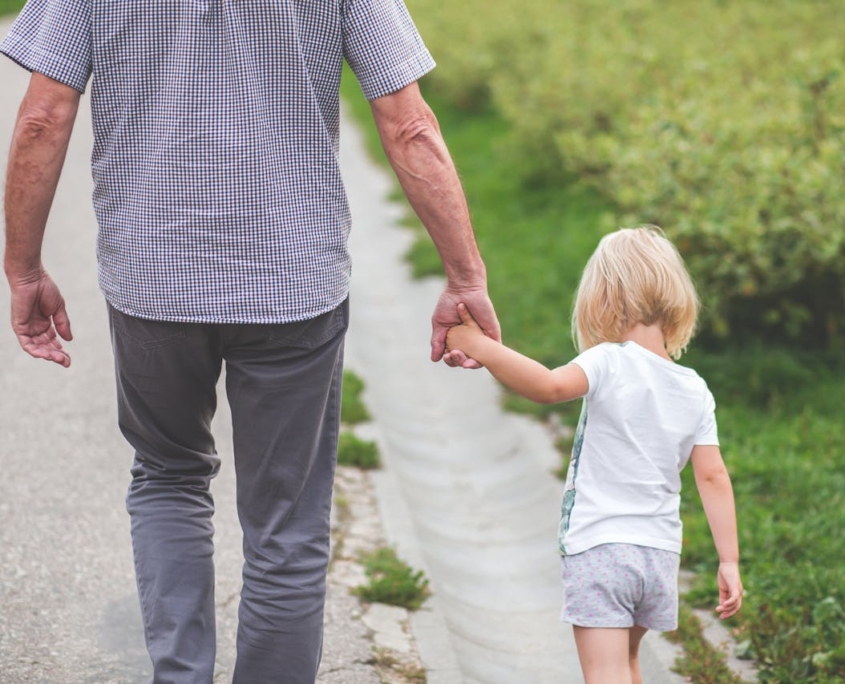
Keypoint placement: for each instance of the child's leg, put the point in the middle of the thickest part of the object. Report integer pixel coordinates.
(605, 654)
(635, 636)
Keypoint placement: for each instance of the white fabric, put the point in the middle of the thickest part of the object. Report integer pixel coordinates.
(641, 418)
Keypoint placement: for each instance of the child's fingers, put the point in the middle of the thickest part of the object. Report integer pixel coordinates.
(730, 605)
(464, 314)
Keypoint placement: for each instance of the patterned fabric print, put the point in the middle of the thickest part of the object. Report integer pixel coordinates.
(571, 475)
(216, 184)
(621, 585)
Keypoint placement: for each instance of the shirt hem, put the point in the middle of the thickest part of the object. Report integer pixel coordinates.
(232, 319)
(569, 549)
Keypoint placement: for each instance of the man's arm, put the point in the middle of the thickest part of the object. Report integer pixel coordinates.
(39, 144)
(415, 148)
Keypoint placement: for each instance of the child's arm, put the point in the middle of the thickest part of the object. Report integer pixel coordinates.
(523, 375)
(714, 487)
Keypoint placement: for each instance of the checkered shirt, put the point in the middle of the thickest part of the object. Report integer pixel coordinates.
(216, 123)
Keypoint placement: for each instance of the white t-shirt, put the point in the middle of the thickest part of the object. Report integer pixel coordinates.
(641, 418)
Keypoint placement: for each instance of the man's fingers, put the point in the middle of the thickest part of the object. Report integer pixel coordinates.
(62, 323)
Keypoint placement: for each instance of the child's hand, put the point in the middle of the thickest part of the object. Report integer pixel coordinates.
(730, 590)
(460, 338)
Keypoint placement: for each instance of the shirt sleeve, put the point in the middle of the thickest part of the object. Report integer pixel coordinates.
(53, 38)
(707, 434)
(382, 46)
(595, 363)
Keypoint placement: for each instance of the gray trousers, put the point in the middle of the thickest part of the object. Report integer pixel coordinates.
(283, 385)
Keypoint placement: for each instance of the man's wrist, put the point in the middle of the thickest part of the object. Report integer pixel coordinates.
(22, 274)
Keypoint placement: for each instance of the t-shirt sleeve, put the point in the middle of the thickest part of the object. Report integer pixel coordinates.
(707, 434)
(53, 38)
(382, 46)
(595, 362)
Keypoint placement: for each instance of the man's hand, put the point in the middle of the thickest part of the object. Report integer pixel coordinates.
(39, 144)
(446, 316)
(39, 318)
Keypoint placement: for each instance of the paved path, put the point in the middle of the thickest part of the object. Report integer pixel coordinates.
(467, 493)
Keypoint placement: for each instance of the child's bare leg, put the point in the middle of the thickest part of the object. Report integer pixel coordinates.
(635, 636)
(604, 655)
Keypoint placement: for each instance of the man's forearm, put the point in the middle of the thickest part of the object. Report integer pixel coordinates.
(37, 154)
(425, 170)
(431, 184)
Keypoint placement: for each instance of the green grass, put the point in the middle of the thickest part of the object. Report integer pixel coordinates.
(780, 411)
(392, 581)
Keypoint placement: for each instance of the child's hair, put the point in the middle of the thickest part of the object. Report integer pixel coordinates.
(636, 275)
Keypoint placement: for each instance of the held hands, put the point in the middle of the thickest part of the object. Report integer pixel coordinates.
(39, 318)
(461, 338)
(730, 590)
(447, 315)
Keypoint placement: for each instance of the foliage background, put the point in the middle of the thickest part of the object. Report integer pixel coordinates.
(722, 122)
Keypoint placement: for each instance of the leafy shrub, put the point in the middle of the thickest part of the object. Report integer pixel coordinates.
(392, 581)
(731, 138)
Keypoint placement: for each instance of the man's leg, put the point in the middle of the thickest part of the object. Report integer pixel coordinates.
(283, 384)
(166, 377)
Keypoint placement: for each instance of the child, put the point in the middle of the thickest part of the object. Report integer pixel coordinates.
(642, 419)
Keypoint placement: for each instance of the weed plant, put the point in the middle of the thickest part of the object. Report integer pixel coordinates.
(357, 452)
(392, 581)
(352, 408)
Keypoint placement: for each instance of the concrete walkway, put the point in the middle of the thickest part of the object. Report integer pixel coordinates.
(466, 494)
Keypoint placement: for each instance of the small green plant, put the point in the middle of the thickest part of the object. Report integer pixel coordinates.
(392, 581)
(352, 408)
(360, 453)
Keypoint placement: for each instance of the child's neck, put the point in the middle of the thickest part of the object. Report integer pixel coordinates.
(649, 337)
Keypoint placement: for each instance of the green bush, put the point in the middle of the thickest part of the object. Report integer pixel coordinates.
(731, 138)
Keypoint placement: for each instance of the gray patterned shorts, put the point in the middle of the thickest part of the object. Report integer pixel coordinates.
(621, 585)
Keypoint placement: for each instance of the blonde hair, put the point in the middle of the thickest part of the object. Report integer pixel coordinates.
(636, 275)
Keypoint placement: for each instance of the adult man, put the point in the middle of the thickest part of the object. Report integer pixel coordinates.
(222, 238)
